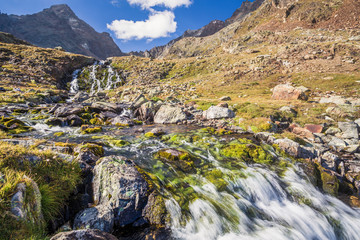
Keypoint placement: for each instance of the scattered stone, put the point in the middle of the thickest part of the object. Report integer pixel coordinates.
(337, 142)
(158, 131)
(329, 161)
(81, 97)
(352, 148)
(140, 100)
(314, 128)
(338, 100)
(332, 131)
(215, 112)
(223, 105)
(225, 98)
(349, 130)
(288, 92)
(168, 114)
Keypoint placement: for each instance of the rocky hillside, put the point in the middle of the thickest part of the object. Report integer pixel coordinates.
(213, 27)
(59, 26)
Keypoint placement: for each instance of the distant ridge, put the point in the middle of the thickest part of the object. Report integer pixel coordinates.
(59, 26)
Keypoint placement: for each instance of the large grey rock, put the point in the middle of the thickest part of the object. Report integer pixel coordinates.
(349, 130)
(117, 183)
(168, 114)
(120, 120)
(26, 202)
(215, 112)
(289, 146)
(338, 100)
(84, 234)
(100, 217)
(337, 142)
(330, 161)
(105, 106)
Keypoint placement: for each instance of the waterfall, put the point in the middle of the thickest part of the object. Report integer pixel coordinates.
(96, 78)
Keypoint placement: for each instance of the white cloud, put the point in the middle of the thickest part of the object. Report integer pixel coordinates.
(114, 2)
(159, 24)
(147, 4)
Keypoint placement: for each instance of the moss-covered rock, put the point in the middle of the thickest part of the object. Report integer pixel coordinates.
(86, 129)
(96, 149)
(330, 183)
(180, 159)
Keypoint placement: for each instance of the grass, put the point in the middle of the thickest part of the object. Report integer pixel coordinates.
(56, 179)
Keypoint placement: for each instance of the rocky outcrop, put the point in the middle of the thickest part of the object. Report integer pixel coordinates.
(59, 26)
(245, 8)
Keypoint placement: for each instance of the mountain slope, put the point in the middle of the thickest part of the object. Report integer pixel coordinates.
(59, 26)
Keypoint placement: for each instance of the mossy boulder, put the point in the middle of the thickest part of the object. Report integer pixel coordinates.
(246, 151)
(96, 149)
(330, 183)
(179, 158)
(216, 177)
(155, 211)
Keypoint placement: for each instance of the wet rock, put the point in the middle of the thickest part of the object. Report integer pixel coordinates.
(81, 97)
(26, 202)
(349, 130)
(288, 92)
(100, 217)
(122, 121)
(67, 111)
(74, 121)
(155, 211)
(225, 98)
(168, 114)
(146, 112)
(106, 107)
(118, 184)
(158, 131)
(215, 112)
(108, 114)
(85, 234)
(180, 159)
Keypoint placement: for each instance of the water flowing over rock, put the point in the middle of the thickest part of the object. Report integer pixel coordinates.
(168, 114)
(100, 217)
(215, 112)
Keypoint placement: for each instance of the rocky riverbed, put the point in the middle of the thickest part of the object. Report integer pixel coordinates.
(163, 169)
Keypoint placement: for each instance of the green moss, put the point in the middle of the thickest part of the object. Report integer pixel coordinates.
(181, 159)
(40, 117)
(86, 129)
(94, 148)
(118, 143)
(149, 135)
(96, 121)
(59, 134)
(247, 152)
(330, 183)
(216, 177)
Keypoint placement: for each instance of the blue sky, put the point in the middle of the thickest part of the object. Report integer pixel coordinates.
(167, 19)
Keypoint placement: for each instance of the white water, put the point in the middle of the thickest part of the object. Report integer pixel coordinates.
(258, 205)
(278, 215)
(110, 79)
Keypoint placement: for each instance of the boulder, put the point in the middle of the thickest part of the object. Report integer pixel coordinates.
(100, 217)
(74, 121)
(349, 130)
(26, 202)
(140, 100)
(81, 96)
(330, 161)
(67, 111)
(215, 112)
(168, 114)
(122, 121)
(118, 184)
(105, 106)
(146, 112)
(337, 142)
(338, 100)
(288, 92)
(84, 234)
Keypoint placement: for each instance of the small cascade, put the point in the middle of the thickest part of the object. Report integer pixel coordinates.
(93, 79)
(257, 202)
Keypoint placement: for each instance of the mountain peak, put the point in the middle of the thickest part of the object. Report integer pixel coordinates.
(62, 10)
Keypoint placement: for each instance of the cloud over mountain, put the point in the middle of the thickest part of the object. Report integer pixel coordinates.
(159, 24)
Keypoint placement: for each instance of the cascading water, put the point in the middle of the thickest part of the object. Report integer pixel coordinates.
(96, 78)
(257, 202)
